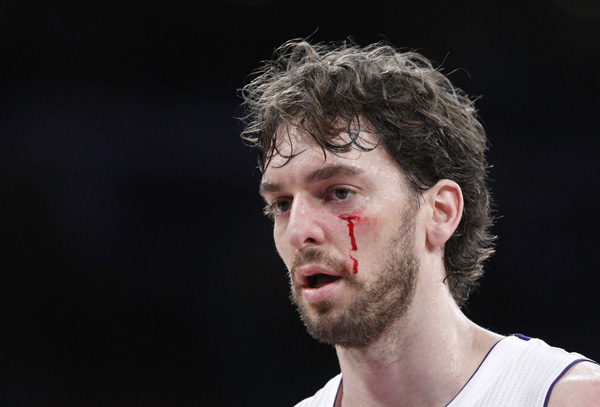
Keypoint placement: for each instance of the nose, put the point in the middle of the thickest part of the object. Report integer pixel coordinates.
(305, 224)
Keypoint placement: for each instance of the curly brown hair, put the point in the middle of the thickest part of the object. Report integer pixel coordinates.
(426, 124)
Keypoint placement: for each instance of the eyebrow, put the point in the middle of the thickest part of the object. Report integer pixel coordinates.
(319, 174)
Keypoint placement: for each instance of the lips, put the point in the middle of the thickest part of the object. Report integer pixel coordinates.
(317, 283)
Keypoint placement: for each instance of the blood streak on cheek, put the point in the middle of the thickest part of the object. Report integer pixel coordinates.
(352, 220)
(354, 264)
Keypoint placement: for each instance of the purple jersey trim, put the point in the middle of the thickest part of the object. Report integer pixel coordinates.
(521, 336)
(337, 393)
(560, 377)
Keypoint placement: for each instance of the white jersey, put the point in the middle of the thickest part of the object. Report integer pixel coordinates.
(517, 372)
(324, 397)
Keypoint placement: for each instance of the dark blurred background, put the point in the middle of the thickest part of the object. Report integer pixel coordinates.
(136, 266)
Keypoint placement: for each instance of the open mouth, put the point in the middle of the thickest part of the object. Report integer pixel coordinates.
(319, 280)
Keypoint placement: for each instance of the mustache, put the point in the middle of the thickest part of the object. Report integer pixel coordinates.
(318, 256)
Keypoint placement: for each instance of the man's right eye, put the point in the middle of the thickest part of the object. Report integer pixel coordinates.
(278, 207)
(281, 206)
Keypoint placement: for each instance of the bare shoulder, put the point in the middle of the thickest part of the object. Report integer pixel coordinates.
(579, 387)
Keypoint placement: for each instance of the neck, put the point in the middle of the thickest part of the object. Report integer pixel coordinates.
(423, 359)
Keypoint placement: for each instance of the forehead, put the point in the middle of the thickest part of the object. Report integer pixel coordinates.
(297, 153)
(292, 137)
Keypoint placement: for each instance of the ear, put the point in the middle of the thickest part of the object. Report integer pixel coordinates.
(445, 201)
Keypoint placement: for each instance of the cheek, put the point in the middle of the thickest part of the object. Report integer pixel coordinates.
(360, 230)
(283, 249)
(367, 231)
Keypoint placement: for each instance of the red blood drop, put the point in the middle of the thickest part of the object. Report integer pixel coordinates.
(355, 265)
(350, 219)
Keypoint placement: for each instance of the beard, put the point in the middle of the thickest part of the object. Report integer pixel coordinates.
(375, 305)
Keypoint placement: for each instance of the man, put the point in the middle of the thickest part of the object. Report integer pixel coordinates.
(374, 174)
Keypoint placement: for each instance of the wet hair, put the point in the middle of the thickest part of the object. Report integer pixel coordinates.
(427, 125)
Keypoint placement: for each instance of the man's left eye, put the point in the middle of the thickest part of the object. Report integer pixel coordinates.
(342, 193)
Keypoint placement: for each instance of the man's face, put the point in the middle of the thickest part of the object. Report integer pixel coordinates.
(345, 228)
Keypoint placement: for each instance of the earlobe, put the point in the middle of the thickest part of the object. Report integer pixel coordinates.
(446, 203)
